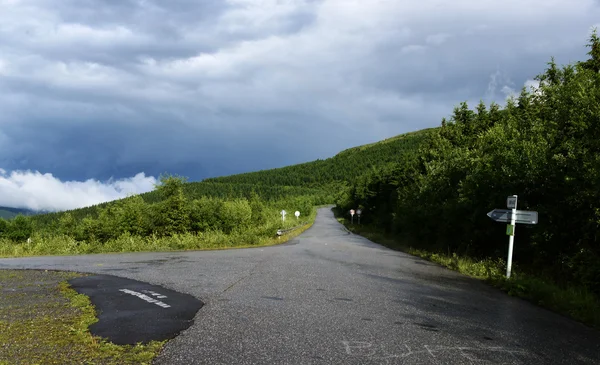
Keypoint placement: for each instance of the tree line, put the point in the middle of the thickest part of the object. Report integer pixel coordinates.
(543, 145)
(328, 174)
(173, 213)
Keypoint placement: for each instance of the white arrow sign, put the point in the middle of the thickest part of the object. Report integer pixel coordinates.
(521, 216)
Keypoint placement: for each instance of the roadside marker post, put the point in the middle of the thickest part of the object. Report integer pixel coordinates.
(512, 216)
(511, 203)
(283, 213)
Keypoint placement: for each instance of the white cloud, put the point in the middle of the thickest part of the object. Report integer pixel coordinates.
(37, 191)
(500, 82)
(509, 92)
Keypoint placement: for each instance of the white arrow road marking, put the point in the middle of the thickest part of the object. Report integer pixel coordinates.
(146, 298)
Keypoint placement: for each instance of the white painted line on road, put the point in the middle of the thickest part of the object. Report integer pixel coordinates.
(146, 298)
(158, 295)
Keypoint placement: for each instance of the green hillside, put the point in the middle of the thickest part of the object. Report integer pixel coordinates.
(320, 180)
(6, 214)
(9, 213)
(225, 211)
(345, 166)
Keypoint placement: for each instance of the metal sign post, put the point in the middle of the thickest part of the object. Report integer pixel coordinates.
(511, 203)
(352, 214)
(512, 216)
(358, 213)
(297, 214)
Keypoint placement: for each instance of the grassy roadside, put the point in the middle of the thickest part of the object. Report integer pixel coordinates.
(44, 321)
(210, 240)
(576, 303)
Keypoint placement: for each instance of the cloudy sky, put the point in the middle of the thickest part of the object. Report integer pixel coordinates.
(98, 97)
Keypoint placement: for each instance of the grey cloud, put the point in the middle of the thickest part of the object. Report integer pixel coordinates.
(94, 89)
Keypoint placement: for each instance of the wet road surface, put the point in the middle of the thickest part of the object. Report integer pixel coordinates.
(331, 297)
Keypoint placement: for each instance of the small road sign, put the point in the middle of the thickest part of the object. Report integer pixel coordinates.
(359, 212)
(352, 212)
(522, 216)
(511, 202)
(297, 214)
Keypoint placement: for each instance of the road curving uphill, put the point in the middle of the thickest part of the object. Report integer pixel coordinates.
(331, 297)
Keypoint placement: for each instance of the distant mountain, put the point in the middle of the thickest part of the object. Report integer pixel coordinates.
(9, 213)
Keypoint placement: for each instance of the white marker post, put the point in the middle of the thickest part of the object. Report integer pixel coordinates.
(352, 214)
(297, 214)
(283, 215)
(511, 203)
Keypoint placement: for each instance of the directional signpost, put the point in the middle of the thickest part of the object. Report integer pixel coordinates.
(512, 216)
(522, 216)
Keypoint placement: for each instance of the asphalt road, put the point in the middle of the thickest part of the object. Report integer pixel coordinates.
(331, 297)
(131, 311)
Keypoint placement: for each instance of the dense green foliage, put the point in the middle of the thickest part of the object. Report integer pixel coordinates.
(196, 190)
(204, 204)
(174, 222)
(329, 173)
(543, 146)
(172, 213)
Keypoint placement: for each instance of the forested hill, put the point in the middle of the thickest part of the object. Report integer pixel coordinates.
(344, 166)
(318, 181)
(543, 146)
(8, 213)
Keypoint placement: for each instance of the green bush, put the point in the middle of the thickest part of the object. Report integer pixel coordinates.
(4, 228)
(203, 214)
(19, 229)
(234, 215)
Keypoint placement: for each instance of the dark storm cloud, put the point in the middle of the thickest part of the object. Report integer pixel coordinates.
(101, 89)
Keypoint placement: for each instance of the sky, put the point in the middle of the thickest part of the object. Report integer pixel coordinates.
(99, 97)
